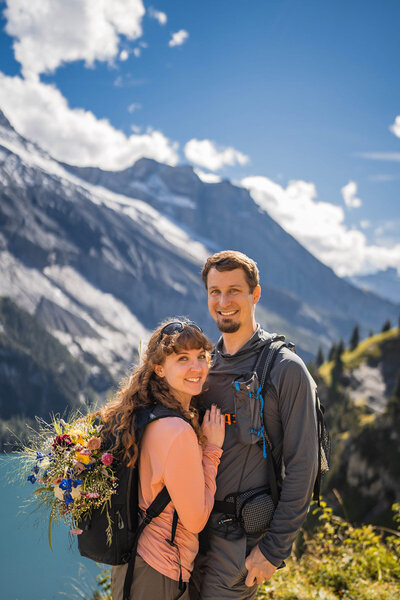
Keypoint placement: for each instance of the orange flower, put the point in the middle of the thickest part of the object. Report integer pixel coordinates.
(94, 443)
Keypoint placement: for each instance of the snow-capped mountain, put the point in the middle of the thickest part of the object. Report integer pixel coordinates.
(101, 257)
(385, 283)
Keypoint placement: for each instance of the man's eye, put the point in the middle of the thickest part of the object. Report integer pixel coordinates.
(214, 292)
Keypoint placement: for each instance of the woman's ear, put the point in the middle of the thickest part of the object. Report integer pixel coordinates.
(159, 370)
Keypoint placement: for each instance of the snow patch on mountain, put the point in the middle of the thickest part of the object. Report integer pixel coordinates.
(151, 219)
(118, 331)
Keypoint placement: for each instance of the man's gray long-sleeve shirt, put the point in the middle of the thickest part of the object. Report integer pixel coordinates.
(289, 414)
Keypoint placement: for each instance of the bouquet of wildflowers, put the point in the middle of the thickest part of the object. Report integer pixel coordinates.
(71, 472)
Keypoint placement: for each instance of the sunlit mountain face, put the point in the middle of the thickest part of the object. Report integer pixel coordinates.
(100, 258)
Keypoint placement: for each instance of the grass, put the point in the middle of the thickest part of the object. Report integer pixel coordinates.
(368, 348)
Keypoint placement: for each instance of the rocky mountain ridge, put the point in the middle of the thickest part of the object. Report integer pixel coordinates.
(101, 257)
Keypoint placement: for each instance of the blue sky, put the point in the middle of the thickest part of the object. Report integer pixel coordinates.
(296, 100)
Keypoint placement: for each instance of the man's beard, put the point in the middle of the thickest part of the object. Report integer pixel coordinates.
(227, 326)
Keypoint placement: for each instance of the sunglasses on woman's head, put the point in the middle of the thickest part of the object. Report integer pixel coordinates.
(177, 327)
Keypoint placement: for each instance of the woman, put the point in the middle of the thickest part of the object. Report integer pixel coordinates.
(174, 452)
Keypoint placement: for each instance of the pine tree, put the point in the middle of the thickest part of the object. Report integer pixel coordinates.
(320, 357)
(386, 326)
(340, 349)
(355, 338)
(332, 352)
(371, 333)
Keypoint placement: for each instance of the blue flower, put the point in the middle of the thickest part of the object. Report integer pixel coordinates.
(39, 456)
(68, 499)
(36, 470)
(77, 482)
(66, 484)
(32, 478)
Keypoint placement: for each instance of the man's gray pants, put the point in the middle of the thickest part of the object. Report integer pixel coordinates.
(220, 573)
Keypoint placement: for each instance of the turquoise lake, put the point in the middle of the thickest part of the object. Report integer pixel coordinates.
(29, 570)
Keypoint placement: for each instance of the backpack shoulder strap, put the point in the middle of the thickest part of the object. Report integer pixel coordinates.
(266, 360)
(263, 368)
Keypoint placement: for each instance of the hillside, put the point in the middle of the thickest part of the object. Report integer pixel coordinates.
(361, 389)
(37, 373)
(102, 257)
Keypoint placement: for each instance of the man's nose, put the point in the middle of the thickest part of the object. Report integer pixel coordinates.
(224, 300)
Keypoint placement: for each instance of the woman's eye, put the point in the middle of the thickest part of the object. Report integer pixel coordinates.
(202, 357)
(182, 358)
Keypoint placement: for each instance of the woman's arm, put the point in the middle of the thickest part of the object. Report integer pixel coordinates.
(189, 476)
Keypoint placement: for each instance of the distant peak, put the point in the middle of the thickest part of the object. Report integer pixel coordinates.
(4, 122)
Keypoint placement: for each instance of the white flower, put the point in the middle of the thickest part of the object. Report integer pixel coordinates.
(58, 492)
(76, 492)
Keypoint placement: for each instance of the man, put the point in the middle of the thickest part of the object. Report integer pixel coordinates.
(231, 564)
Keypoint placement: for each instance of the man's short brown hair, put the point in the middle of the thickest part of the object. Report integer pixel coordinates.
(228, 260)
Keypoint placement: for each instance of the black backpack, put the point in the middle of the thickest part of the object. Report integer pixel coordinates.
(263, 368)
(124, 508)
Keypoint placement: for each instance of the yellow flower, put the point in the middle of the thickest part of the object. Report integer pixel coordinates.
(83, 458)
(76, 438)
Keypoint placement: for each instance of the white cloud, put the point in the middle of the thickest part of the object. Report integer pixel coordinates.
(134, 106)
(389, 156)
(178, 38)
(49, 33)
(40, 112)
(320, 227)
(137, 52)
(124, 55)
(206, 154)
(364, 224)
(382, 178)
(160, 16)
(395, 128)
(207, 177)
(349, 192)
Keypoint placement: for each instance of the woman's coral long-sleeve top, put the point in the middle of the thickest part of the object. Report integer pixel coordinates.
(171, 456)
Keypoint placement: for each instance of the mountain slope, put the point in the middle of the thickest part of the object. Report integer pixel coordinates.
(102, 257)
(362, 394)
(382, 283)
(37, 373)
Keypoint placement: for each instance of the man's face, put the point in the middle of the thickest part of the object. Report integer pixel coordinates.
(230, 302)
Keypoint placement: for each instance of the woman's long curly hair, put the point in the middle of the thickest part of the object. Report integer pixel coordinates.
(144, 386)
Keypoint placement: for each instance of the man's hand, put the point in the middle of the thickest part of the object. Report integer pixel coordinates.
(258, 567)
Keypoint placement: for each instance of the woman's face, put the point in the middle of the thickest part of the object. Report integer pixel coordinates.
(185, 372)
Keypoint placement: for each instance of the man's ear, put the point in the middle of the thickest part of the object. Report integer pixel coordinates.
(256, 294)
(159, 370)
